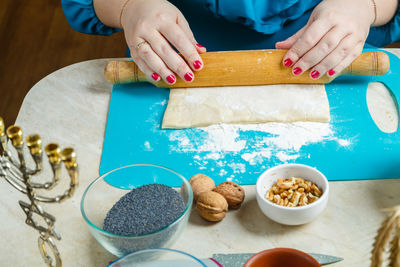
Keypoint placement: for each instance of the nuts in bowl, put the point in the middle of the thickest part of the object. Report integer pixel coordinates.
(292, 194)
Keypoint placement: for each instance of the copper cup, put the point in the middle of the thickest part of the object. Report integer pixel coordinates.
(281, 257)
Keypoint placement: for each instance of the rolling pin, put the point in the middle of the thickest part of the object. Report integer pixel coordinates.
(255, 67)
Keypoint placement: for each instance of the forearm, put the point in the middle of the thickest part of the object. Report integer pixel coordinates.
(385, 10)
(109, 11)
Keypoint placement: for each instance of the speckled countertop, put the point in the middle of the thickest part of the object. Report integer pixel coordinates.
(70, 107)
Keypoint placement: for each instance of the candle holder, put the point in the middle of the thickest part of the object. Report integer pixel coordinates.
(16, 172)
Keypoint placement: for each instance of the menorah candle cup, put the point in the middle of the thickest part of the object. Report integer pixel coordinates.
(34, 143)
(68, 156)
(53, 152)
(15, 134)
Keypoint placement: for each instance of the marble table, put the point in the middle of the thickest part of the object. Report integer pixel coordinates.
(70, 107)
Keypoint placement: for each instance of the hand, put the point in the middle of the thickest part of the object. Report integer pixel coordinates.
(333, 37)
(151, 27)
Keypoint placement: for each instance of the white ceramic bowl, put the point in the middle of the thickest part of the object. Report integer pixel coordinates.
(291, 215)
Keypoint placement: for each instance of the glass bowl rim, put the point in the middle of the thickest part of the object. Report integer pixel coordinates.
(187, 206)
(159, 249)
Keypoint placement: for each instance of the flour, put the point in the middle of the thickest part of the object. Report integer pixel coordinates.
(344, 142)
(221, 138)
(232, 151)
(257, 157)
(252, 143)
(147, 146)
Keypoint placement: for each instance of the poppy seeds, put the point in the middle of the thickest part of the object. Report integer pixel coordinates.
(144, 210)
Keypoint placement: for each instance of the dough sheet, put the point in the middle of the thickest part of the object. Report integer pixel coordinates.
(198, 107)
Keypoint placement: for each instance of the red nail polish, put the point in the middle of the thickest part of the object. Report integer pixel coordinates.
(331, 72)
(197, 64)
(297, 71)
(155, 76)
(199, 45)
(188, 77)
(315, 74)
(171, 79)
(288, 62)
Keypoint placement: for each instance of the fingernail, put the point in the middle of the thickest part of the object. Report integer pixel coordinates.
(188, 77)
(155, 76)
(197, 64)
(315, 74)
(288, 62)
(331, 72)
(199, 45)
(171, 79)
(297, 71)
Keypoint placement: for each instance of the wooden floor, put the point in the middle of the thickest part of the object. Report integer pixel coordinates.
(35, 40)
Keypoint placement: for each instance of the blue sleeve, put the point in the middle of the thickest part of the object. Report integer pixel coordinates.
(386, 34)
(268, 17)
(81, 17)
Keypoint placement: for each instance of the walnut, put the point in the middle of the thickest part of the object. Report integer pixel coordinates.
(212, 206)
(201, 183)
(232, 192)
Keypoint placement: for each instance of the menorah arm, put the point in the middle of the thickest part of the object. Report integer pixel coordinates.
(13, 162)
(34, 143)
(48, 185)
(17, 174)
(13, 169)
(38, 165)
(6, 165)
(57, 199)
(15, 183)
(72, 169)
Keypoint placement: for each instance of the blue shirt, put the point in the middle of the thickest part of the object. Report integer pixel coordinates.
(233, 24)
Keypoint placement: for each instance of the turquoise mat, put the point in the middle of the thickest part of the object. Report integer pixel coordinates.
(355, 148)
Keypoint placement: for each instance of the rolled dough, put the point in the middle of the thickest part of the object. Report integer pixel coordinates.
(197, 107)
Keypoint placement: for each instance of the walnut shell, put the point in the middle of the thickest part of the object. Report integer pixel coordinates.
(201, 183)
(232, 192)
(212, 206)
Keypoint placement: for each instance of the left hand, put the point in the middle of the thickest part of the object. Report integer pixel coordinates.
(333, 37)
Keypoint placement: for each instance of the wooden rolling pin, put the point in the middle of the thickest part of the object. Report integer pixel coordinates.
(254, 67)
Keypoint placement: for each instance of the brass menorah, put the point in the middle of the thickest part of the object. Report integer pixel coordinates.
(16, 172)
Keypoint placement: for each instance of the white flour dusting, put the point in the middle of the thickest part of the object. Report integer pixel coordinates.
(280, 140)
(147, 146)
(228, 138)
(344, 142)
(232, 147)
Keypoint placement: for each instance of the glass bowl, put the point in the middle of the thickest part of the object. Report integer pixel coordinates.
(162, 257)
(106, 190)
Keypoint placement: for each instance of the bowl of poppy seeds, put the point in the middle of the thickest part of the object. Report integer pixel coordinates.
(137, 207)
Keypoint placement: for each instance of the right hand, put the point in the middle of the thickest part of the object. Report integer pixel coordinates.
(151, 27)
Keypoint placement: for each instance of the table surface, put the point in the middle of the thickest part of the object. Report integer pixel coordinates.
(70, 107)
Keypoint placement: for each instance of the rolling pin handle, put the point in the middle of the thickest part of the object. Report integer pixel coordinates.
(374, 63)
(117, 72)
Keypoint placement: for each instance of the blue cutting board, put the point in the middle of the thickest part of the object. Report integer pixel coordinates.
(134, 135)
